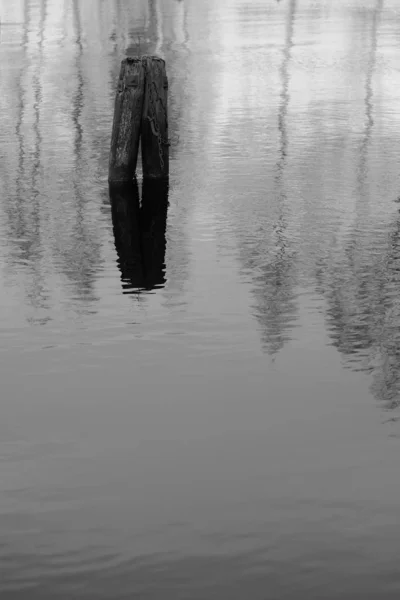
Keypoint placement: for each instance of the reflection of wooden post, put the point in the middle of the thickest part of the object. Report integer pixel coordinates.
(153, 220)
(155, 145)
(139, 233)
(125, 211)
(127, 121)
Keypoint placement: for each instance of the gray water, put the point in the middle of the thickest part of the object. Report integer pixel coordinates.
(216, 419)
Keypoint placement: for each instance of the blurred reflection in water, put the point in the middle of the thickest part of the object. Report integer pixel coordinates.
(218, 436)
(139, 232)
(277, 296)
(370, 68)
(363, 315)
(362, 281)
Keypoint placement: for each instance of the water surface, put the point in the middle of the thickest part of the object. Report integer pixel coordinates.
(199, 388)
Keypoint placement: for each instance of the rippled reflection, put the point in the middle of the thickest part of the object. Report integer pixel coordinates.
(139, 231)
(269, 254)
(363, 316)
(362, 283)
(190, 374)
(368, 100)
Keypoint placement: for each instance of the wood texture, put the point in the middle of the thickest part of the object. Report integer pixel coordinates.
(154, 132)
(127, 120)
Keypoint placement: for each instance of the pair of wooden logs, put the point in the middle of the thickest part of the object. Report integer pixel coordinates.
(140, 114)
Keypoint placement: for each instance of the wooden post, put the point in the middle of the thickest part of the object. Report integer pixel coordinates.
(127, 120)
(155, 144)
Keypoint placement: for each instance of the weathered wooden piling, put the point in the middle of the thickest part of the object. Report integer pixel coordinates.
(127, 120)
(154, 140)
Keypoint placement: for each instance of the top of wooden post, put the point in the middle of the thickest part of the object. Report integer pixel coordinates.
(131, 59)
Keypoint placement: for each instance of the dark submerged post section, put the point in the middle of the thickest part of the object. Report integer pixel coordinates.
(139, 233)
(125, 208)
(153, 223)
(127, 121)
(155, 144)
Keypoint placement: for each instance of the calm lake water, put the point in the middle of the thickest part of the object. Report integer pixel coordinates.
(199, 400)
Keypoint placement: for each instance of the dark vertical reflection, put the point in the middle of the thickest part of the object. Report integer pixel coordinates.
(368, 98)
(153, 220)
(139, 232)
(125, 207)
(275, 285)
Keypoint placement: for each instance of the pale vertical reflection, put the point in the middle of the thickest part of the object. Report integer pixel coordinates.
(11, 13)
(81, 259)
(185, 108)
(37, 292)
(386, 364)
(363, 314)
(368, 103)
(159, 28)
(243, 83)
(61, 136)
(180, 24)
(12, 39)
(284, 75)
(24, 207)
(120, 22)
(64, 20)
(38, 97)
(154, 27)
(359, 244)
(248, 135)
(276, 298)
(15, 201)
(361, 283)
(21, 104)
(177, 55)
(77, 103)
(327, 117)
(131, 31)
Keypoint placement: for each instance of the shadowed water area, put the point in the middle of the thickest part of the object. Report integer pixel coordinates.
(200, 387)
